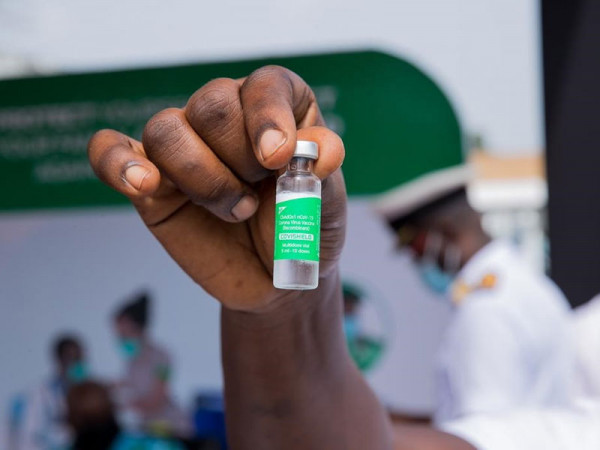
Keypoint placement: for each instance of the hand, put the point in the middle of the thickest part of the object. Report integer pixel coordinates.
(203, 180)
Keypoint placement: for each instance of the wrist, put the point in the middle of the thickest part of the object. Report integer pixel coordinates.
(289, 306)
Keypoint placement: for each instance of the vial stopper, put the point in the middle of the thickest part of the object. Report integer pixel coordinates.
(307, 149)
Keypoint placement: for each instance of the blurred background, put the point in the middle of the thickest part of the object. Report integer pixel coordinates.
(71, 252)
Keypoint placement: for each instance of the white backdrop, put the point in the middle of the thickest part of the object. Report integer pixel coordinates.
(485, 53)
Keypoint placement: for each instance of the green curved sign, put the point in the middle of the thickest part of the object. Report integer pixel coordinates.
(395, 121)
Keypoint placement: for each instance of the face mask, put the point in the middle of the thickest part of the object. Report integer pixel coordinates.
(351, 328)
(436, 278)
(129, 348)
(77, 372)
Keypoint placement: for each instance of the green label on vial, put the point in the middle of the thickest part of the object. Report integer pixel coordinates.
(298, 229)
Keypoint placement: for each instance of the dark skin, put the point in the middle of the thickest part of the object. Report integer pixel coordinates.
(71, 354)
(458, 224)
(203, 180)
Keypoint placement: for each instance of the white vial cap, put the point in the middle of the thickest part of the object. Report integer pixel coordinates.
(307, 149)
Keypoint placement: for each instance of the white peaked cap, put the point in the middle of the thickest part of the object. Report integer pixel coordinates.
(409, 197)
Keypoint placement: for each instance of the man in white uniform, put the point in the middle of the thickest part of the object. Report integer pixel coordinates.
(563, 428)
(508, 344)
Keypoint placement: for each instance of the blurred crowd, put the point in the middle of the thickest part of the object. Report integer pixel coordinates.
(72, 409)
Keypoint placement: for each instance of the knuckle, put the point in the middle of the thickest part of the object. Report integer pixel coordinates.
(304, 96)
(278, 85)
(98, 142)
(217, 191)
(272, 78)
(104, 164)
(108, 164)
(214, 104)
(269, 71)
(266, 80)
(163, 132)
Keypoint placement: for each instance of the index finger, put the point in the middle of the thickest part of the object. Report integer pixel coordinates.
(276, 102)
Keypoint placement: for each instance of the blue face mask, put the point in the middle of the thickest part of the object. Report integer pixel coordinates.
(77, 372)
(435, 278)
(351, 328)
(129, 347)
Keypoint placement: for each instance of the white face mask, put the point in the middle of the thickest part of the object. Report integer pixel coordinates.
(439, 279)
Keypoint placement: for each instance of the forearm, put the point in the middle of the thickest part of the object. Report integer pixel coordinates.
(290, 383)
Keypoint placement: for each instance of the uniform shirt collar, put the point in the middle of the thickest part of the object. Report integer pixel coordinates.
(488, 260)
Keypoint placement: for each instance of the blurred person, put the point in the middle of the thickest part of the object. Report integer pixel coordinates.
(289, 380)
(44, 425)
(91, 414)
(508, 343)
(143, 392)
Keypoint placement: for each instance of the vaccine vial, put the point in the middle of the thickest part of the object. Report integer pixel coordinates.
(298, 222)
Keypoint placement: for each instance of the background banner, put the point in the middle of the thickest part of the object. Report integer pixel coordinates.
(395, 122)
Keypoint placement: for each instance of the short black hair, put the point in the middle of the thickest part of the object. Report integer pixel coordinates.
(62, 342)
(136, 309)
(91, 414)
(429, 209)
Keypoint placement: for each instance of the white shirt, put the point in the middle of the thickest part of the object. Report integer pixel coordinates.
(506, 346)
(44, 424)
(565, 428)
(587, 342)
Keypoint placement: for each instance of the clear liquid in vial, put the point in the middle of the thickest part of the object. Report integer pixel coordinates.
(295, 274)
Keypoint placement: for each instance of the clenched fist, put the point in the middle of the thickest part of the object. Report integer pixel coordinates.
(203, 180)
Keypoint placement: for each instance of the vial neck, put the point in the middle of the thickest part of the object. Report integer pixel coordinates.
(299, 164)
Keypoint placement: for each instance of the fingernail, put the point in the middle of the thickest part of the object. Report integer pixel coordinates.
(270, 141)
(244, 208)
(135, 175)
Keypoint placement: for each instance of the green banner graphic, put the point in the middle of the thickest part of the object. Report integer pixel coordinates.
(396, 123)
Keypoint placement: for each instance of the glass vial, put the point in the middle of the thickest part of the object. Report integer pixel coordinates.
(298, 222)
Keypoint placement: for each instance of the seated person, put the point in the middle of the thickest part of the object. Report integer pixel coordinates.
(91, 415)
